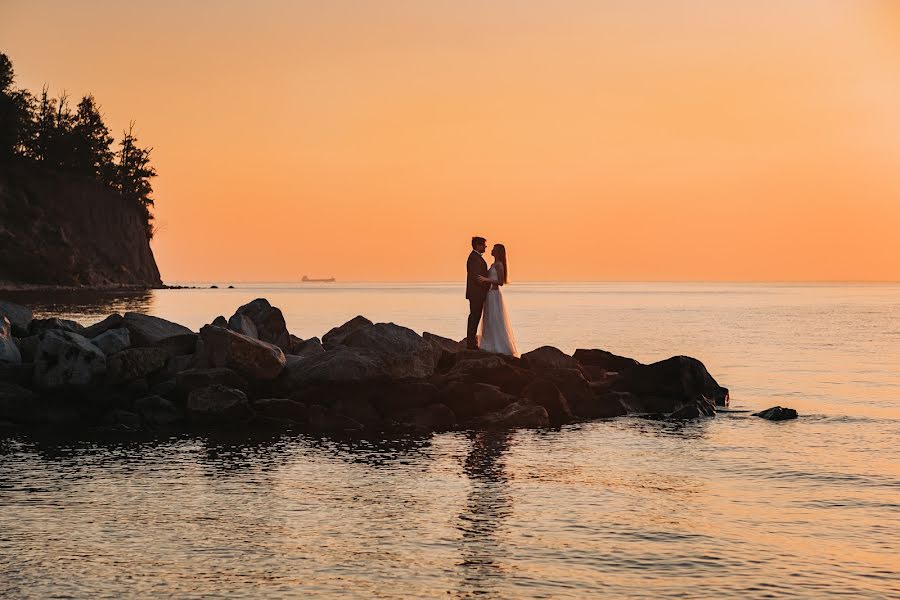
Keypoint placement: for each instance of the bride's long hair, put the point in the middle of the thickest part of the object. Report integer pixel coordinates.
(499, 252)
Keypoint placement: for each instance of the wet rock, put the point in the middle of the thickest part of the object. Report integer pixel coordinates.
(9, 350)
(19, 316)
(341, 365)
(543, 392)
(41, 325)
(336, 336)
(112, 341)
(607, 361)
(113, 321)
(134, 363)
(146, 330)
(157, 411)
(244, 325)
(396, 398)
(268, 321)
(777, 413)
(572, 384)
(282, 408)
(518, 415)
(668, 384)
(402, 352)
(17, 404)
(66, 359)
(321, 419)
(359, 409)
(469, 400)
(217, 404)
(548, 357)
(434, 417)
(253, 358)
(601, 406)
(188, 381)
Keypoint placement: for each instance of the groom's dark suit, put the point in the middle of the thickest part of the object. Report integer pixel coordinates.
(476, 292)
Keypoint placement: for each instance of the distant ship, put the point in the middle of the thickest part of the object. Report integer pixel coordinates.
(308, 280)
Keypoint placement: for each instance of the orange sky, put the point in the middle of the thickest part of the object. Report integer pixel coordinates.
(620, 140)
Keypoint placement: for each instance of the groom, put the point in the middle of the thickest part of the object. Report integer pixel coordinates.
(476, 292)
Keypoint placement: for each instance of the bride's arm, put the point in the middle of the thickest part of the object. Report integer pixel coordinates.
(496, 279)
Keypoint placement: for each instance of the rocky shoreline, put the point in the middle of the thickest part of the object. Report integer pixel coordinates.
(135, 372)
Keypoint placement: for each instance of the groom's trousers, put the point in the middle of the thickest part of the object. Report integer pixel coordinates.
(476, 307)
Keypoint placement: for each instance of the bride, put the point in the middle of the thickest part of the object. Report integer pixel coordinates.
(496, 331)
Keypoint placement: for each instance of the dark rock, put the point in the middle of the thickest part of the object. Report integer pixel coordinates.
(188, 381)
(468, 400)
(177, 364)
(134, 363)
(335, 337)
(440, 345)
(518, 415)
(667, 385)
(217, 404)
(146, 330)
(112, 341)
(320, 419)
(123, 418)
(220, 321)
(571, 382)
(157, 411)
(269, 323)
(66, 359)
(19, 316)
(602, 406)
(341, 365)
(282, 408)
(17, 404)
(9, 350)
(402, 352)
(396, 398)
(41, 325)
(165, 388)
(357, 408)
(605, 360)
(306, 348)
(251, 357)
(21, 374)
(178, 345)
(548, 357)
(244, 325)
(113, 321)
(693, 411)
(777, 413)
(28, 347)
(434, 417)
(543, 392)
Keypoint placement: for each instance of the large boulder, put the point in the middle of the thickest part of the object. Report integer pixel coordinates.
(134, 363)
(519, 415)
(335, 337)
(572, 384)
(147, 330)
(341, 365)
(28, 347)
(469, 400)
(268, 321)
(218, 404)
(403, 353)
(253, 358)
(192, 379)
(548, 357)
(440, 345)
(113, 321)
(9, 350)
(604, 360)
(112, 340)
(244, 325)
(394, 399)
(17, 404)
(66, 359)
(178, 345)
(777, 413)
(306, 348)
(322, 419)
(493, 370)
(602, 406)
(543, 392)
(157, 411)
(19, 316)
(666, 385)
(41, 325)
(433, 417)
(282, 408)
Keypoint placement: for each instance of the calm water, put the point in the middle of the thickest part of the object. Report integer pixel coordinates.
(731, 507)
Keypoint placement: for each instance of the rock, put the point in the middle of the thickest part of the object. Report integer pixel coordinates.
(572, 384)
(469, 400)
(244, 325)
(518, 415)
(9, 350)
(217, 404)
(165, 388)
(146, 330)
(177, 364)
(306, 348)
(777, 413)
(402, 352)
(398, 398)
(251, 357)
(548, 357)
(269, 323)
(492, 370)
(28, 347)
(66, 359)
(220, 321)
(21, 374)
(440, 345)
(188, 381)
(178, 345)
(19, 316)
(543, 392)
(602, 406)
(686, 413)
(434, 417)
(282, 408)
(112, 341)
(113, 321)
(41, 325)
(321, 419)
(604, 360)
(134, 363)
(123, 418)
(480, 363)
(357, 408)
(341, 365)
(157, 411)
(666, 385)
(17, 404)
(335, 337)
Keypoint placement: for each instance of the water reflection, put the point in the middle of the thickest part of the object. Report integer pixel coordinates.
(84, 306)
(487, 506)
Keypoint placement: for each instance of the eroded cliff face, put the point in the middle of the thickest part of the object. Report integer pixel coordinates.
(58, 229)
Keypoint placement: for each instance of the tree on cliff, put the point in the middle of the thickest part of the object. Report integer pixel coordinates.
(91, 142)
(15, 113)
(133, 173)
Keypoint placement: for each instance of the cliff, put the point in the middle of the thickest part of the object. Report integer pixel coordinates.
(63, 230)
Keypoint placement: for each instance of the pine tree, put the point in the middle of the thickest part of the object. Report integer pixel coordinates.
(91, 141)
(133, 173)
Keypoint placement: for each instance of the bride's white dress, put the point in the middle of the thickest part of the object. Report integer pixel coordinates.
(496, 331)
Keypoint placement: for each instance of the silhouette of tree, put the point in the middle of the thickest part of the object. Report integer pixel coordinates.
(133, 173)
(91, 142)
(15, 113)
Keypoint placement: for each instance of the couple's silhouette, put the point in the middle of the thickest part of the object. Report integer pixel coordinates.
(486, 302)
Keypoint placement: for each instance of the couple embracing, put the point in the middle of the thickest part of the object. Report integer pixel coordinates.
(486, 301)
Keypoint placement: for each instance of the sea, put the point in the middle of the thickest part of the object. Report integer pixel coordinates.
(727, 507)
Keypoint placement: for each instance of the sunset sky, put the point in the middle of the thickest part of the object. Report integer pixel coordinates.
(617, 140)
